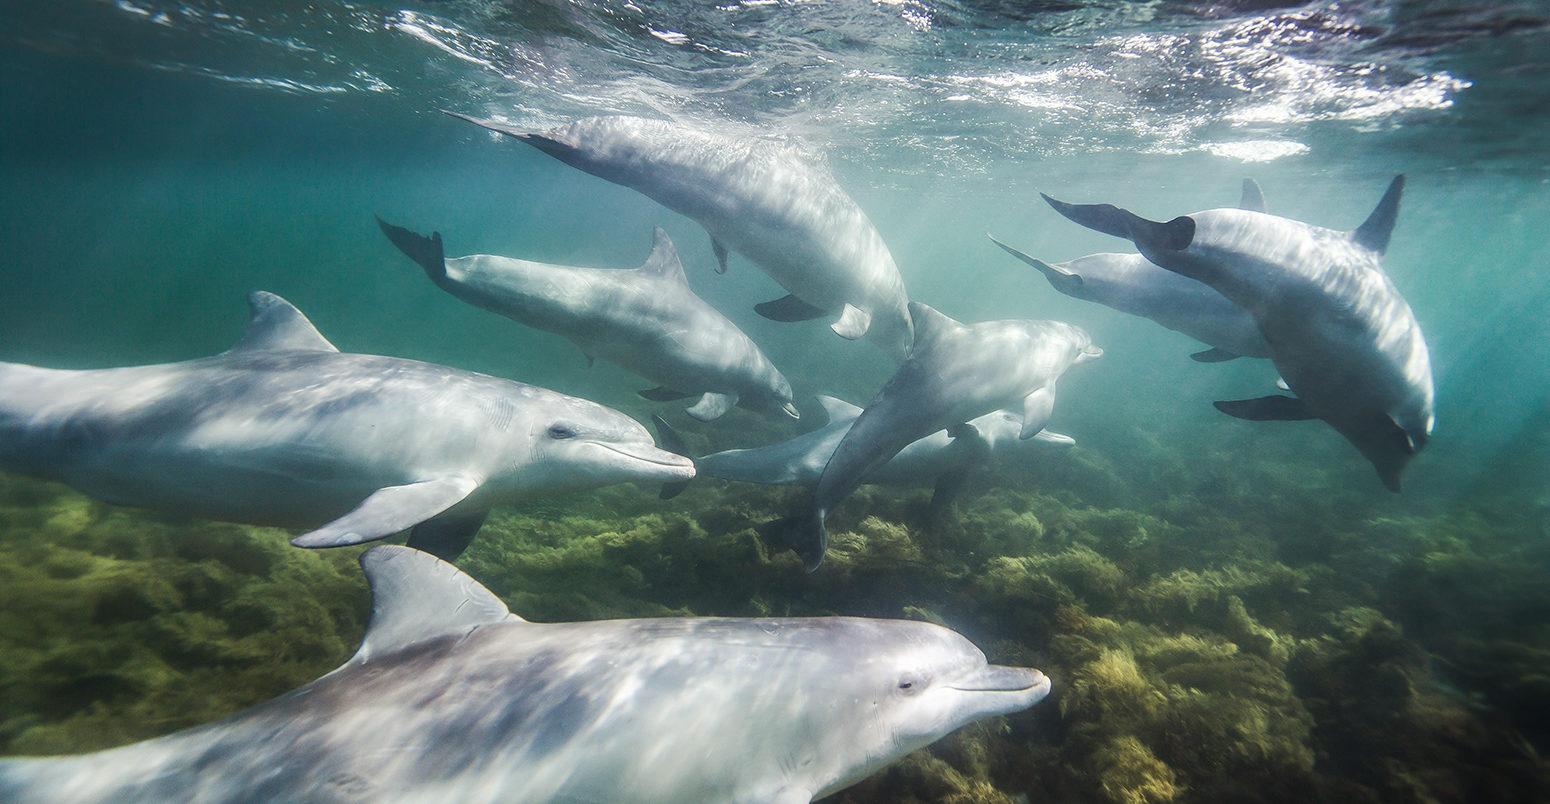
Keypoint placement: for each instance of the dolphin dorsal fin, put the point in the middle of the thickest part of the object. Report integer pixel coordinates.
(1253, 199)
(664, 260)
(838, 409)
(416, 596)
(274, 324)
(1374, 232)
(929, 324)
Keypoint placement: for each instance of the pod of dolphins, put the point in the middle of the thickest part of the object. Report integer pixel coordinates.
(453, 697)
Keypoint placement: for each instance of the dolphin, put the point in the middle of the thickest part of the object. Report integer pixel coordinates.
(785, 213)
(646, 320)
(1345, 341)
(284, 429)
(453, 698)
(939, 458)
(1131, 284)
(954, 373)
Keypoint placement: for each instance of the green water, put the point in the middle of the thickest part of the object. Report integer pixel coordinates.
(1228, 610)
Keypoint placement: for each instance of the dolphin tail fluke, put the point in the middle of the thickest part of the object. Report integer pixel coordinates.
(1273, 408)
(789, 308)
(672, 441)
(804, 534)
(1374, 232)
(1175, 235)
(425, 251)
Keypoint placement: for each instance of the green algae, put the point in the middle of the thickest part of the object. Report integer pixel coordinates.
(1202, 647)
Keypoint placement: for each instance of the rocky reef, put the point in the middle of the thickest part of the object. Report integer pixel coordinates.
(1207, 645)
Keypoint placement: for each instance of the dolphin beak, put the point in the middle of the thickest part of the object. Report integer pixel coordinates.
(1000, 678)
(663, 465)
(791, 410)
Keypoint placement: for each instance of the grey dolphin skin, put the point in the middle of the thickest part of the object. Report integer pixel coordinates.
(1343, 338)
(955, 373)
(646, 320)
(453, 698)
(284, 429)
(1131, 284)
(938, 458)
(784, 213)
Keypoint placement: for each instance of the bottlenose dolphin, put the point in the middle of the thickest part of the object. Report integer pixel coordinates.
(1131, 284)
(453, 698)
(284, 429)
(785, 213)
(939, 458)
(1344, 340)
(646, 320)
(955, 373)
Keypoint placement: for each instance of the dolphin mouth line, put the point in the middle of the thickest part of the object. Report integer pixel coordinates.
(671, 460)
(1005, 680)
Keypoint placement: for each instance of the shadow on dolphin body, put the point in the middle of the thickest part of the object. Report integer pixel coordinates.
(781, 211)
(453, 698)
(1344, 339)
(283, 429)
(954, 373)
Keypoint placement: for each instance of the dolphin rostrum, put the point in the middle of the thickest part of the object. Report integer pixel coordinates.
(646, 320)
(453, 698)
(785, 213)
(284, 429)
(1131, 284)
(954, 373)
(943, 459)
(1344, 340)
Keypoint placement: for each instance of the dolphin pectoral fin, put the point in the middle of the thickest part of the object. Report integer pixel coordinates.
(720, 249)
(661, 394)
(446, 537)
(672, 441)
(805, 535)
(788, 309)
(1175, 235)
(1063, 280)
(1274, 408)
(274, 324)
(1253, 199)
(425, 251)
(853, 323)
(1037, 408)
(1281, 383)
(712, 406)
(1374, 232)
(389, 510)
(1215, 354)
(1055, 439)
(416, 596)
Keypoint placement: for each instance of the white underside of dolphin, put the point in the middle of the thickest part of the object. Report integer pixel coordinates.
(453, 698)
(283, 429)
(646, 320)
(783, 212)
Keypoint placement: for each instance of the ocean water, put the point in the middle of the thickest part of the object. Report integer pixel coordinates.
(1229, 610)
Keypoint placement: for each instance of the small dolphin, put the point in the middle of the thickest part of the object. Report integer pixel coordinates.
(784, 213)
(1344, 340)
(646, 320)
(939, 458)
(955, 373)
(284, 429)
(1131, 284)
(453, 698)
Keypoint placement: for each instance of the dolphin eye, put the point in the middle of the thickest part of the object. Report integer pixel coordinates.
(562, 431)
(911, 684)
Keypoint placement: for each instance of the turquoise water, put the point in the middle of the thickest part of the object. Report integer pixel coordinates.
(160, 160)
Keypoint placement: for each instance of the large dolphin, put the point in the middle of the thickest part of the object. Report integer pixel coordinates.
(453, 698)
(955, 373)
(646, 320)
(284, 429)
(1344, 340)
(1130, 283)
(785, 213)
(941, 459)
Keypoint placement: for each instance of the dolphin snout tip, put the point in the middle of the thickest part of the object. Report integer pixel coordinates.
(791, 410)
